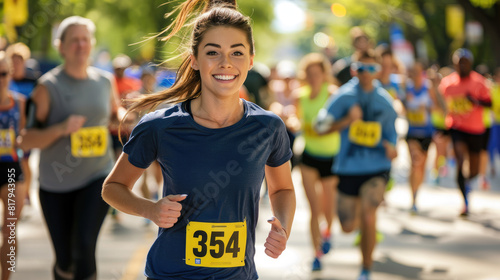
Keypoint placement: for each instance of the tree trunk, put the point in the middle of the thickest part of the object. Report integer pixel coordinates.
(490, 23)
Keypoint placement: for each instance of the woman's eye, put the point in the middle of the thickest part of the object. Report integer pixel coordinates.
(238, 53)
(212, 53)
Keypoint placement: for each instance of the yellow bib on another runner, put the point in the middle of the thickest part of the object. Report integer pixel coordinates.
(417, 117)
(216, 244)
(366, 134)
(460, 105)
(7, 140)
(89, 142)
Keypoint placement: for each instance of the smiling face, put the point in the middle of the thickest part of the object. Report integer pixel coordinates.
(223, 61)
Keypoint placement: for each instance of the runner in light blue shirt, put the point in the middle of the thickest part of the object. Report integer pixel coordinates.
(363, 112)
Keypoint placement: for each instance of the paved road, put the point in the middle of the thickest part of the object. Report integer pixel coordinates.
(435, 244)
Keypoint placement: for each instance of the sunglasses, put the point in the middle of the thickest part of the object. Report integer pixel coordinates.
(4, 74)
(371, 68)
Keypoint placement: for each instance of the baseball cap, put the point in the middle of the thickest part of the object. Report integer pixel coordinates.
(462, 53)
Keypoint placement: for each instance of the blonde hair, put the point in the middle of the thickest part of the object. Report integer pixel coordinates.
(19, 49)
(187, 84)
(314, 59)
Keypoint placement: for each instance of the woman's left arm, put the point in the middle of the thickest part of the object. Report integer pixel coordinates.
(282, 197)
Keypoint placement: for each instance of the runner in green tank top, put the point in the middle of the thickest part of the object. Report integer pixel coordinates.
(318, 155)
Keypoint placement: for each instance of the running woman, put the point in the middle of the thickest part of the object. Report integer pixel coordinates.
(319, 152)
(12, 187)
(363, 113)
(214, 150)
(466, 94)
(69, 115)
(418, 104)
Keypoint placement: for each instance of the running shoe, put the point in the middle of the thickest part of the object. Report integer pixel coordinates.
(316, 266)
(465, 212)
(414, 210)
(364, 275)
(326, 245)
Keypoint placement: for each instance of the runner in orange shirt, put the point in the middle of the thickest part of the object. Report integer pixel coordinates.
(466, 94)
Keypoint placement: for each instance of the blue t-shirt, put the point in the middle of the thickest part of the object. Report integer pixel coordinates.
(25, 85)
(221, 171)
(418, 105)
(355, 159)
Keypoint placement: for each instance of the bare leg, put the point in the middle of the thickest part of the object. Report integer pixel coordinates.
(417, 172)
(309, 178)
(371, 194)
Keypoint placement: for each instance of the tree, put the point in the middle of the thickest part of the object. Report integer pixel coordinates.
(487, 12)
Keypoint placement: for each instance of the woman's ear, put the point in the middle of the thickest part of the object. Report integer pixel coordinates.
(251, 62)
(194, 63)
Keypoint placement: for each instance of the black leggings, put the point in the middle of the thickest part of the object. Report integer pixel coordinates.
(74, 220)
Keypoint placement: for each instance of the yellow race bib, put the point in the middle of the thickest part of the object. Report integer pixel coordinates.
(7, 140)
(216, 244)
(89, 142)
(366, 134)
(460, 106)
(417, 117)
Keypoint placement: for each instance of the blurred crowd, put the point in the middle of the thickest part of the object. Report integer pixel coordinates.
(296, 90)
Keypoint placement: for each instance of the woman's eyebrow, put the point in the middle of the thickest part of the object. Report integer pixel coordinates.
(219, 46)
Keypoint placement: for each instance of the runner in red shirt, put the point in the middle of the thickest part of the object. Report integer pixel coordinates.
(466, 94)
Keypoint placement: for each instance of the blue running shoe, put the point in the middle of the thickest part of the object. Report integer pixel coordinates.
(414, 210)
(316, 265)
(326, 239)
(365, 275)
(326, 246)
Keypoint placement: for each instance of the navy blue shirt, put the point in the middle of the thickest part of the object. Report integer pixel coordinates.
(221, 171)
(355, 159)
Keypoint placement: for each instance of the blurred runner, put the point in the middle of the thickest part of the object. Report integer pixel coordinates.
(319, 152)
(68, 120)
(466, 94)
(363, 113)
(12, 183)
(418, 104)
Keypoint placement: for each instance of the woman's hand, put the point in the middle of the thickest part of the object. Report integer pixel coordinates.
(167, 210)
(276, 240)
(73, 123)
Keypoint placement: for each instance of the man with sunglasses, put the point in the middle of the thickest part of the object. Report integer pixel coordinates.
(363, 113)
(466, 94)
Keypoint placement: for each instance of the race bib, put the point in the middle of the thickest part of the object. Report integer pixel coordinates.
(366, 134)
(309, 131)
(89, 141)
(7, 140)
(460, 106)
(216, 244)
(417, 117)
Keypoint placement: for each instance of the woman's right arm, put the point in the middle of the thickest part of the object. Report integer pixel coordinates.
(117, 192)
(37, 137)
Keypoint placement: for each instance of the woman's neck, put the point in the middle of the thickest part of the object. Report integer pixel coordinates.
(315, 90)
(217, 113)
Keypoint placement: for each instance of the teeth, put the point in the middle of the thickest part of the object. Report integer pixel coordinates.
(224, 77)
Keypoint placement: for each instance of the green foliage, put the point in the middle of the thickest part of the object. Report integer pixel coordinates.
(484, 4)
(123, 26)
